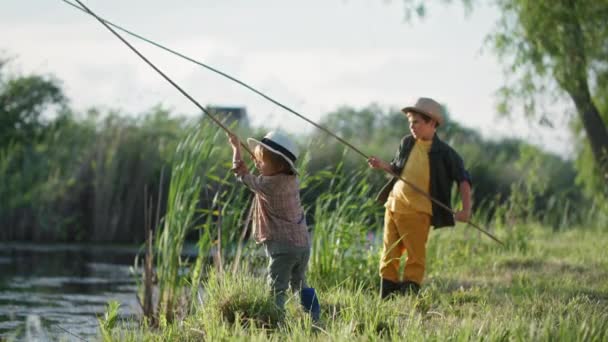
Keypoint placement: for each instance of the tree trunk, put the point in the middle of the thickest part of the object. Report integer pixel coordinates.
(595, 128)
(576, 83)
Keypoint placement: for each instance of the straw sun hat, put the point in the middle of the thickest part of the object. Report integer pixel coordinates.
(428, 107)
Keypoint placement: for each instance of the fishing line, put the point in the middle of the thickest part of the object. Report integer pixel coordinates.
(107, 24)
(71, 333)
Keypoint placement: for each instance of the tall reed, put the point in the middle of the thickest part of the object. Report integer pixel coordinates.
(346, 218)
(190, 164)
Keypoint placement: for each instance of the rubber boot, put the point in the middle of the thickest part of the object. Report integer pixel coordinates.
(409, 288)
(388, 288)
(310, 302)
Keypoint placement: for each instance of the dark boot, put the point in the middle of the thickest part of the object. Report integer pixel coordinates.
(387, 288)
(310, 302)
(409, 288)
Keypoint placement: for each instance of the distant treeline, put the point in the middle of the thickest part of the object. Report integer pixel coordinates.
(72, 176)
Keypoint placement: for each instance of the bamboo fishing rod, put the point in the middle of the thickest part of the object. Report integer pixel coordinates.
(167, 78)
(107, 24)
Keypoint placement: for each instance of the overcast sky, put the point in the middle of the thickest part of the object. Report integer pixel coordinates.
(313, 55)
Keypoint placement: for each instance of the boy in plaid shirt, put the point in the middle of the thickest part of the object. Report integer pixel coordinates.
(279, 223)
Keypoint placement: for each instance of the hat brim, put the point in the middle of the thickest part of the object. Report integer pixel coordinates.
(254, 142)
(437, 119)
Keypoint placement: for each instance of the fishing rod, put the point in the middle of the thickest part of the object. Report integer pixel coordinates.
(167, 78)
(107, 24)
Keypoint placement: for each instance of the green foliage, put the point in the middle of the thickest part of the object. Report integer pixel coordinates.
(109, 321)
(83, 179)
(545, 36)
(556, 48)
(204, 246)
(343, 216)
(419, 8)
(187, 180)
(24, 100)
(37, 182)
(549, 44)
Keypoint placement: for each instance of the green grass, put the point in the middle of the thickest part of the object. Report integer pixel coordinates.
(474, 290)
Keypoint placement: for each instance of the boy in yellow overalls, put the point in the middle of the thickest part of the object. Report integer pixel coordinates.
(433, 166)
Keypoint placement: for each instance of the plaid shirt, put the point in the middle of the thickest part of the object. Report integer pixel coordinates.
(277, 213)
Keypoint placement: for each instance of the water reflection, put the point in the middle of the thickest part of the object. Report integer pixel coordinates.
(46, 290)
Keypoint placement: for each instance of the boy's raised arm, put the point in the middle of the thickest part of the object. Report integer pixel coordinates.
(238, 165)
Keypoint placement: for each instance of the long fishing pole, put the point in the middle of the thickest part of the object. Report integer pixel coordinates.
(107, 24)
(211, 116)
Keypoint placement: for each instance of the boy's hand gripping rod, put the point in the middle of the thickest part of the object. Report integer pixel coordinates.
(346, 143)
(213, 118)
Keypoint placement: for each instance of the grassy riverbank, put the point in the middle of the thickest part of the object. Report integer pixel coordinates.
(544, 285)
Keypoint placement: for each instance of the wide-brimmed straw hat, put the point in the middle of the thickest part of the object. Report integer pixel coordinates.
(428, 107)
(279, 143)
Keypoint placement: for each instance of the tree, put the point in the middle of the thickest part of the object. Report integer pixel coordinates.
(564, 41)
(592, 182)
(557, 48)
(23, 102)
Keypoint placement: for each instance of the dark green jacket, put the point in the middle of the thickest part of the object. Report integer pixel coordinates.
(446, 167)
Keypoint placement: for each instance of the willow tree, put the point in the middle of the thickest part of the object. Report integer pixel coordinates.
(553, 49)
(559, 47)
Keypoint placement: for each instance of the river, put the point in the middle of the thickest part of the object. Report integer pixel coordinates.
(57, 292)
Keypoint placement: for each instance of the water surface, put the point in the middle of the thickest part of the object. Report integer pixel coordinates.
(47, 291)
